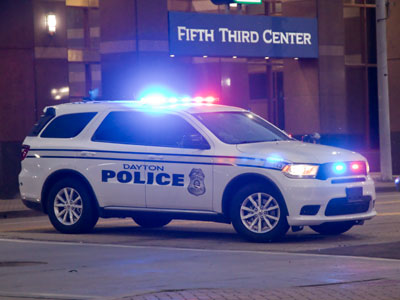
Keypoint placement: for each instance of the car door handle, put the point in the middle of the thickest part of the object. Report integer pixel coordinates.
(156, 157)
(87, 153)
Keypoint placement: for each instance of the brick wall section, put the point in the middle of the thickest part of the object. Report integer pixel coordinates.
(17, 88)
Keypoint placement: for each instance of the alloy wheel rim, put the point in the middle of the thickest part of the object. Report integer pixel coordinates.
(68, 206)
(260, 213)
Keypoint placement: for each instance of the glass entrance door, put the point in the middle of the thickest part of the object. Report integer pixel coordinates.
(266, 90)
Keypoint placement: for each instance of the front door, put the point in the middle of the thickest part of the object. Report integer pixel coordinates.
(181, 160)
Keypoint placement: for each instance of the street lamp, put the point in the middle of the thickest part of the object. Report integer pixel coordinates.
(51, 23)
(383, 92)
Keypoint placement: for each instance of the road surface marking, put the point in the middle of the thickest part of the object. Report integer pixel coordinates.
(81, 244)
(389, 214)
(387, 202)
(46, 296)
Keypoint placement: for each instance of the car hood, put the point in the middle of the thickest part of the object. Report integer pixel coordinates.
(298, 152)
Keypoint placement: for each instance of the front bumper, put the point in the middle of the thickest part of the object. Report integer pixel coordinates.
(305, 193)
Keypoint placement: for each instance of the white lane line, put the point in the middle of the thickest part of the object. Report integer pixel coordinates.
(391, 195)
(200, 250)
(387, 202)
(388, 214)
(48, 296)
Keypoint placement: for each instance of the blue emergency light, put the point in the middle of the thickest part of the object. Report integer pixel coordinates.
(339, 168)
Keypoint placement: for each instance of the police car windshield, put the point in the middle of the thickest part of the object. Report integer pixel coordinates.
(240, 127)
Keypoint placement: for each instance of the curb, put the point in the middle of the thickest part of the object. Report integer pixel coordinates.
(20, 214)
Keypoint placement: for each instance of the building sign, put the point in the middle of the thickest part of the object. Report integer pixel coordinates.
(195, 34)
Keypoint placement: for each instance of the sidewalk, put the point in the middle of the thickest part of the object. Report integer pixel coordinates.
(380, 289)
(382, 187)
(14, 208)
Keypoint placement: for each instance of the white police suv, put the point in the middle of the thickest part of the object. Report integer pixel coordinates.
(182, 160)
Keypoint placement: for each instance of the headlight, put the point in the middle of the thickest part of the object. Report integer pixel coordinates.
(300, 171)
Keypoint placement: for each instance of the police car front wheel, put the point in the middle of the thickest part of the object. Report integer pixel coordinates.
(259, 213)
(70, 207)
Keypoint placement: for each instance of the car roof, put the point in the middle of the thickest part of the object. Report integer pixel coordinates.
(98, 106)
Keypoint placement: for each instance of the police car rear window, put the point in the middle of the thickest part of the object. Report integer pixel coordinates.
(67, 126)
(44, 119)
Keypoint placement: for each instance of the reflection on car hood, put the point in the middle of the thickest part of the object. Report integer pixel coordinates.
(298, 152)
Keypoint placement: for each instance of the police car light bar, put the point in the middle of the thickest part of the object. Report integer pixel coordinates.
(162, 100)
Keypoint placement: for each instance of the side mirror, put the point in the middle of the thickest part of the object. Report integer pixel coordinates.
(195, 141)
(313, 138)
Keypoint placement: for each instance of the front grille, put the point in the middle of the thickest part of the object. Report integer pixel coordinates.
(348, 180)
(326, 171)
(342, 206)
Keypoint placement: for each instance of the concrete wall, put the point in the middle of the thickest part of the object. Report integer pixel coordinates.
(17, 95)
(17, 98)
(31, 64)
(51, 56)
(301, 82)
(135, 57)
(302, 113)
(332, 84)
(134, 46)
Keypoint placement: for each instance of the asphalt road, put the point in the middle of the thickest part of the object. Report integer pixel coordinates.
(379, 237)
(119, 258)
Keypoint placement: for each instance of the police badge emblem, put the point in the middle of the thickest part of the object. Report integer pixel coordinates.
(196, 184)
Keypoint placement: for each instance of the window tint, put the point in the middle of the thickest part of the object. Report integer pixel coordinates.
(67, 126)
(153, 129)
(168, 130)
(122, 127)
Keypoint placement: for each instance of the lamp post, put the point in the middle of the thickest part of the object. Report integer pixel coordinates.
(383, 93)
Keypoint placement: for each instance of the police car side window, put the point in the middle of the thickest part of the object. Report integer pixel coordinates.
(148, 129)
(67, 126)
(122, 127)
(167, 130)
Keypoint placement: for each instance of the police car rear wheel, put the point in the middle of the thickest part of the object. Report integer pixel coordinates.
(151, 221)
(259, 214)
(333, 228)
(70, 207)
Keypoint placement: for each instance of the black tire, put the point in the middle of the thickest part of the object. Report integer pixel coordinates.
(333, 228)
(242, 207)
(151, 221)
(80, 215)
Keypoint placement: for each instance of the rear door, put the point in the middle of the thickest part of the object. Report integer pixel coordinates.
(114, 160)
